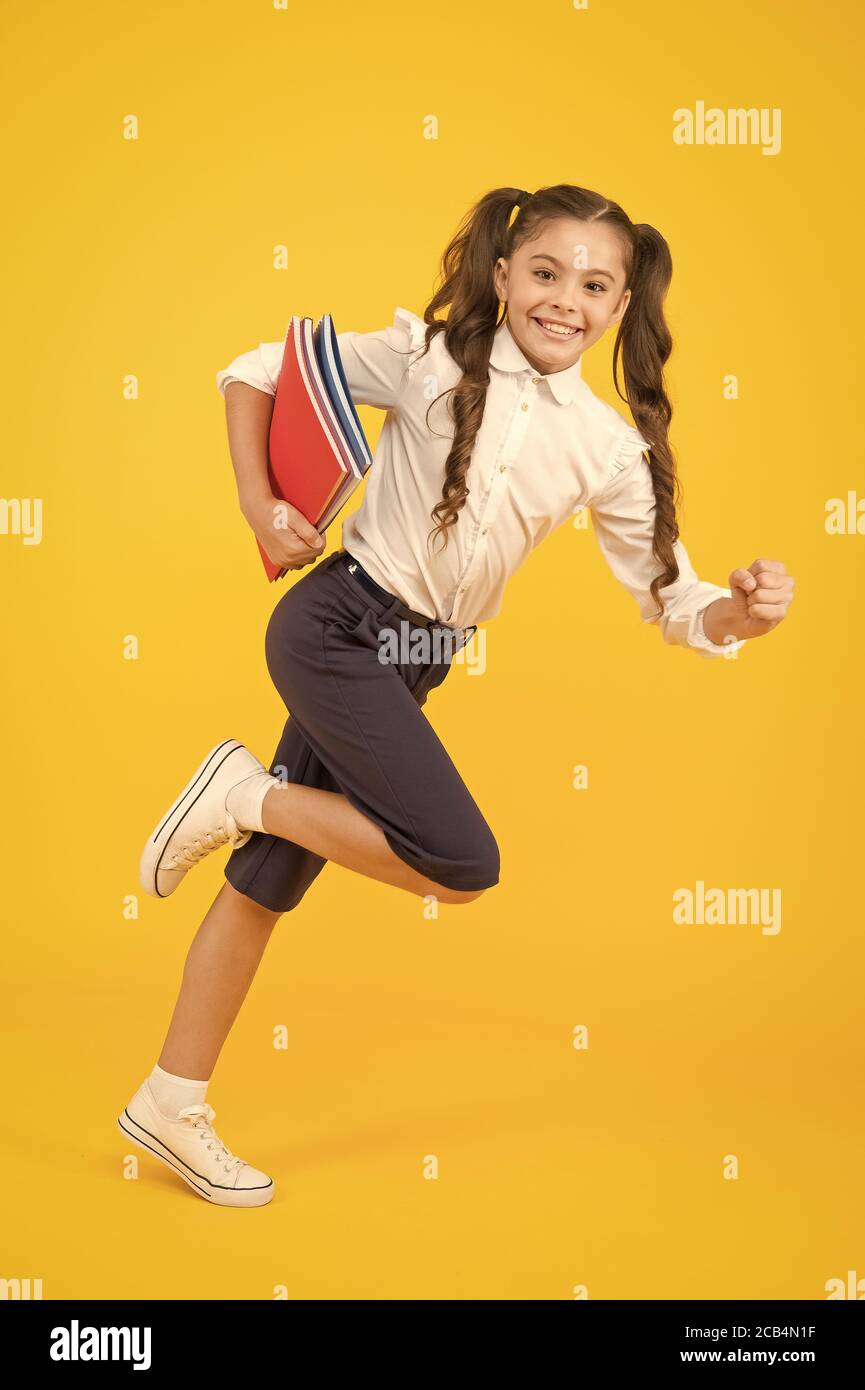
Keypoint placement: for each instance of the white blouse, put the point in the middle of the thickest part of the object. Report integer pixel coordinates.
(547, 446)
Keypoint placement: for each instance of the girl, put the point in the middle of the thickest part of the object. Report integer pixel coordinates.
(493, 435)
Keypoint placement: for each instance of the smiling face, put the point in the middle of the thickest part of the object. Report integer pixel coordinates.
(570, 277)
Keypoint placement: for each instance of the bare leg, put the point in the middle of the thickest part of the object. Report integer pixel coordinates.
(221, 962)
(228, 946)
(327, 823)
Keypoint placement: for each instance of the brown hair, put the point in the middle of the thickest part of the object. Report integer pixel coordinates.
(643, 339)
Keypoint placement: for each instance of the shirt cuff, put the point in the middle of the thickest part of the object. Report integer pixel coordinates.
(701, 643)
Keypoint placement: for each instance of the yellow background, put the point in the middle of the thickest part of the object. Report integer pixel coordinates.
(408, 1037)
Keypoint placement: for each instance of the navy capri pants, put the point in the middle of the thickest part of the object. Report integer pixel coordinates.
(356, 726)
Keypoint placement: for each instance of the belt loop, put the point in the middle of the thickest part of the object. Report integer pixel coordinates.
(393, 610)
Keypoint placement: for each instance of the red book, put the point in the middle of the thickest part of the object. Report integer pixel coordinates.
(317, 452)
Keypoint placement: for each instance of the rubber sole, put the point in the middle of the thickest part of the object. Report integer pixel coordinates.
(211, 1192)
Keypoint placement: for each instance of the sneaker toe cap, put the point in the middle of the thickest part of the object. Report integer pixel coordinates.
(159, 882)
(164, 882)
(248, 1178)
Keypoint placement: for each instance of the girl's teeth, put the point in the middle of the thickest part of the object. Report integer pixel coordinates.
(554, 328)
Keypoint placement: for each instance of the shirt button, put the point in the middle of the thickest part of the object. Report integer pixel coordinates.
(484, 531)
(502, 467)
(525, 405)
(536, 381)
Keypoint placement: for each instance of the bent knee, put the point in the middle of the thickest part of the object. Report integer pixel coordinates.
(457, 895)
(484, 864)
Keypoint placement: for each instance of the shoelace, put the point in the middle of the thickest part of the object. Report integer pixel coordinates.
(201, 1117)
(190, 854)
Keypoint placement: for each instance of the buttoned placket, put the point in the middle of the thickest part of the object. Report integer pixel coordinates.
(504, 458)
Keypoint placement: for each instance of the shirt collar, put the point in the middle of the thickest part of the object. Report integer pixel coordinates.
(506, 356)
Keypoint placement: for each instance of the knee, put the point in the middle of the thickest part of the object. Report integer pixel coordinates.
(485, 864)
(455, 895)
(249, 909)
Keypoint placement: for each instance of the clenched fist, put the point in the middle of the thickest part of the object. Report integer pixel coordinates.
(761, 595)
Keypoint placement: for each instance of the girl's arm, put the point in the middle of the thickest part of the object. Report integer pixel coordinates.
(248, 414)
(705, 617)
(294, 542)
(623, 519)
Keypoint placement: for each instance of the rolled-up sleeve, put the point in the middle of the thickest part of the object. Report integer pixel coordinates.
(623, 516)
(260, 367)
(375, 364)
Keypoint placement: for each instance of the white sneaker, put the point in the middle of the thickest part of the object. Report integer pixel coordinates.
(198, 821)
(190, 1147)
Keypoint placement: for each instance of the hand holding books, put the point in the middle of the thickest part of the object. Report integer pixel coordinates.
(283, 533)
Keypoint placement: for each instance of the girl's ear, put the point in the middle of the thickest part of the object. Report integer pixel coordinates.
(623, 304)
(500, 278)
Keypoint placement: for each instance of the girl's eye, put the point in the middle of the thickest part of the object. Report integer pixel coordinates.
(552, 276)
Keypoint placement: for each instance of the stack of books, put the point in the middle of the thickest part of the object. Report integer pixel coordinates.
(318, 453)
